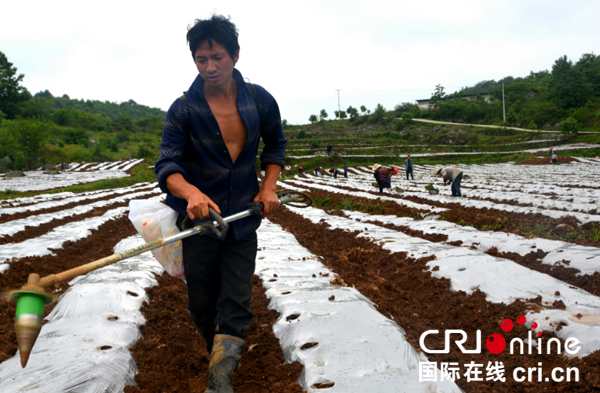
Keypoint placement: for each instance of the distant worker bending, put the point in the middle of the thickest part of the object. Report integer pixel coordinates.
(383, 176)
(451, 175)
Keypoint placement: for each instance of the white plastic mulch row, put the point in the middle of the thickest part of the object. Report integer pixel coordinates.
(39, 181)
(559, 180)
(14, 202)
(76, 174)
(358, 349)
(103, 166)
(367, 195)
(54, 239)
(5, 203)
(501, 280)
(586, 259)
(66, 198)
(11, 227)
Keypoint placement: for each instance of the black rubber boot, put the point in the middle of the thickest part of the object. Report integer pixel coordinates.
(224, 360)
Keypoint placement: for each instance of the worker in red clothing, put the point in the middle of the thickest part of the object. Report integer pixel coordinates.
(385, 175)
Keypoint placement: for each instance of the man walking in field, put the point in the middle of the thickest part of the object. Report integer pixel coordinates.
(408, 166)
(207, 160)
(453, 176)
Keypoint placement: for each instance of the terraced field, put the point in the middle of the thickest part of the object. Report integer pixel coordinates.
(344, 290)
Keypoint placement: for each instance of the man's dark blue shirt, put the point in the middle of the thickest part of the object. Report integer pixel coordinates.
(193, 146)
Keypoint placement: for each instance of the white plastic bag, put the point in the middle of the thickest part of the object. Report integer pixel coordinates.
(154, 220)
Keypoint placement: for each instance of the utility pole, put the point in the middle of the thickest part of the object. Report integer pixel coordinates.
(503, 106)
(339, 110)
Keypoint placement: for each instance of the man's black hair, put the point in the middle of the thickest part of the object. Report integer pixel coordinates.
(218, 29)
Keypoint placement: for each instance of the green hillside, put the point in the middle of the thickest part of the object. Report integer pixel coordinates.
(40, 129)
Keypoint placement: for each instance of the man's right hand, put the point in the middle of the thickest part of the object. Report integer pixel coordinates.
(198, 204)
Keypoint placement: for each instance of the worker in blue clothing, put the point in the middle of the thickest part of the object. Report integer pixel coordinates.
(408, 166)
(207, 160)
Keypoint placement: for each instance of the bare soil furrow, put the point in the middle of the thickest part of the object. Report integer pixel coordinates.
(172, 357)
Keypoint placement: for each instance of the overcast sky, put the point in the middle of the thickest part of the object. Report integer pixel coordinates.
(373, 51)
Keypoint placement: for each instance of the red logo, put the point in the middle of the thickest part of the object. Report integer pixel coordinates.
(496, 343)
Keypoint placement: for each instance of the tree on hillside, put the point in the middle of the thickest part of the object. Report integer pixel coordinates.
(437, 95)
(39, 107)
(323, 115)
(12, 94)
(340, 114)
(28, 137)
(378, 114)
(589, 66)
(43, 94)
(352, 112)
(569, 87)
(363, 109)
(313, 119)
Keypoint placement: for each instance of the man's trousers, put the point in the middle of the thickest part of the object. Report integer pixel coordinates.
(219, 280)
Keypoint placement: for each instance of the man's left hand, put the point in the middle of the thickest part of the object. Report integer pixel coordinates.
(269, 200)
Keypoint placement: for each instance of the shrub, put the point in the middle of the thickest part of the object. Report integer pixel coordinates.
(322, 202)
(569, 126)
(143, 152)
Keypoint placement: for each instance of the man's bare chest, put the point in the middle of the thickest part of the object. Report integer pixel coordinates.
(232, 126)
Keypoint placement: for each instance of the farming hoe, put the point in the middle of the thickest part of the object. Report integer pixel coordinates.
(32, 297)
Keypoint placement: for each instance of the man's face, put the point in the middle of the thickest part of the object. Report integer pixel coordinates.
(214, 63)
